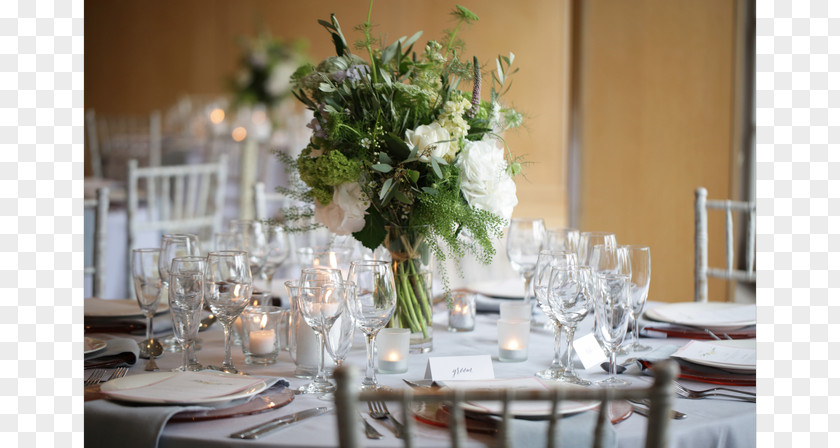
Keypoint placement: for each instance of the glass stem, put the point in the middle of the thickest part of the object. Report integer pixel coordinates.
(320, 377)
(635, 331)
(370, 373)
(528, 277)
(558, 354)
(269, 276)
(570, 337)
(149, 330)
(186, 346)
(227, 362)
(612, 364)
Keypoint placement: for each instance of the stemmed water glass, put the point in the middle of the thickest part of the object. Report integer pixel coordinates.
(562, 239)
(227, 285)
(320, 307)
(541, 279)
(276, 250)
(638, 258)
(524, 241)
(186, 300)
(171, 247)
(612, 313)
(250, 237)
(341, 336)
(147, 287)
(373, 307)
(588, 241)
(568, 302)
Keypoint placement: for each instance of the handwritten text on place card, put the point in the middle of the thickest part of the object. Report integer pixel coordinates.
(457, 368)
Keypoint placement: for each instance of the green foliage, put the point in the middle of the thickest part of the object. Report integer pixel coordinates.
(326, 171)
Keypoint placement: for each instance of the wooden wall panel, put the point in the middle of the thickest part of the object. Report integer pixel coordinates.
(656, 106)
(140, 55)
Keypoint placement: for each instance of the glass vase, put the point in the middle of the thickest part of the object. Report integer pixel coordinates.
(412, 263)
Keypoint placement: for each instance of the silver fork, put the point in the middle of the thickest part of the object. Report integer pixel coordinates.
(684, 392)
(95, 377)
(379, 411)
(118, 373)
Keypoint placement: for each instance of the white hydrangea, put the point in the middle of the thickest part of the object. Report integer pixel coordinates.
(346, 213)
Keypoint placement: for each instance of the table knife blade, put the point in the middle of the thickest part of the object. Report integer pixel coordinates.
(281, 422)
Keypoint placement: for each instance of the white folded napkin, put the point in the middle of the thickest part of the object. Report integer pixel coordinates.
(116, 347)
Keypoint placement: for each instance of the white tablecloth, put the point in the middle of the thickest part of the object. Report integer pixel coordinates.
(711, 422)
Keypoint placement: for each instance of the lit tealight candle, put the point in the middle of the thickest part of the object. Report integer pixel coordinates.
(260, 343)
(264, 340)
(513, 340)
(462, 314)
(392, 346)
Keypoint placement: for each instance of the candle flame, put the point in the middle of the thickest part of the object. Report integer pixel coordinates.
(457, 308)
(236, 290)
(264, 321)
(333, 260)
(513, 345)
(393, 356)
(217, 116)
(315, 262)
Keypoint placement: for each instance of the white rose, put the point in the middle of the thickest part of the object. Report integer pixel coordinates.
(430, 140)
(278, 83)
(484, 178)
(346, 213)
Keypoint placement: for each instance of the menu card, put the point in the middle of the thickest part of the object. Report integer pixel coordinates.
(710, 352)
(184, 387)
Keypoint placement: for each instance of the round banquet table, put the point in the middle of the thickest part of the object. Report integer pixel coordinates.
(710, 422)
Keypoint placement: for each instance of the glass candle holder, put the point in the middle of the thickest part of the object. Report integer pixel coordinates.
(258, 298)
(462, 312)
(261, 334)
(514, 311)
(392, 350)
(335, 257)
(283, 328)
(513, 340)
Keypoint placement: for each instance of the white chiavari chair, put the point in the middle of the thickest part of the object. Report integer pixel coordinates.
(99, 206)
(702, 271)
(179, 199)
(115, 139)
(660, 393)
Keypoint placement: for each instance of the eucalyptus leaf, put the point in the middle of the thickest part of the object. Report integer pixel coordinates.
(413, 175)
(430, 190)
(386, 187)
(383, 168)
(400, 196)
(436, 168)
(325, 87)
(384, 158)
(412, 39)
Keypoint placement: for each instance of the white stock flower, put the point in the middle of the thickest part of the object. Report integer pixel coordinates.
(346, 213)
(484, 178)
(430, 140)
(278, 83)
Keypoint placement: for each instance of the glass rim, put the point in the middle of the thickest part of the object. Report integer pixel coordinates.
(178, 236)
(226, 253)
(264, 309)
(634, 246)
(190, 259)
(611, 275)
(369, 262)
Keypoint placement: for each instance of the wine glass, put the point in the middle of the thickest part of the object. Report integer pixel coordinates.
(609, 260)
(250, 237)
(373, 307)
(524, 241)
(588, 240)
(541, 278)
(320, 307)
(567, 301)
(147, 287)
(186, 300)
(172, 246)
(340, 339)
(562, 239)
(612, 313)
(227, 290)
(277, 248)
(638, 258)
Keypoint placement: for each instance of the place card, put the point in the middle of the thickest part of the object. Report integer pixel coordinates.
(589, 351)
(458, 368)
(720, 354)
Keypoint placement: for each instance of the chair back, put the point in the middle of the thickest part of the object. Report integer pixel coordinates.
(178, 199)
(660, 394)
(702, 271)
(115, 139)
(99, 206)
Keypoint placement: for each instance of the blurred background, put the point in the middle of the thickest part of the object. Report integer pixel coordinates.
(629, 106)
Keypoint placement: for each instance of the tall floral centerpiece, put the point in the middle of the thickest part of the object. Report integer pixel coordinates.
(401, 156)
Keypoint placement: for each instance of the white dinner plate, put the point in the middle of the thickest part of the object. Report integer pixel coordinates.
(716, 316)
(526, 409)
(93, 345)
(95, 307)
(144, 379)
(505, 289)
(748, 344)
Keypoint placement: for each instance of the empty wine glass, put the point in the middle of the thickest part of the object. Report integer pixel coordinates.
(524, 241)
(228, 286)
(541, 278)
(147, 288)
(569, 304)
(250, 237)
(173, 246)
(588, 240)
(373, 307)
(612, 313)
(340, 339)
(562, 239)
(638, 258)
(276, 250)
(609, 260)
(186, 300)
(320, 307)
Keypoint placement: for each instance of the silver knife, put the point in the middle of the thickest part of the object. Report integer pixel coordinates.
(282, 422)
